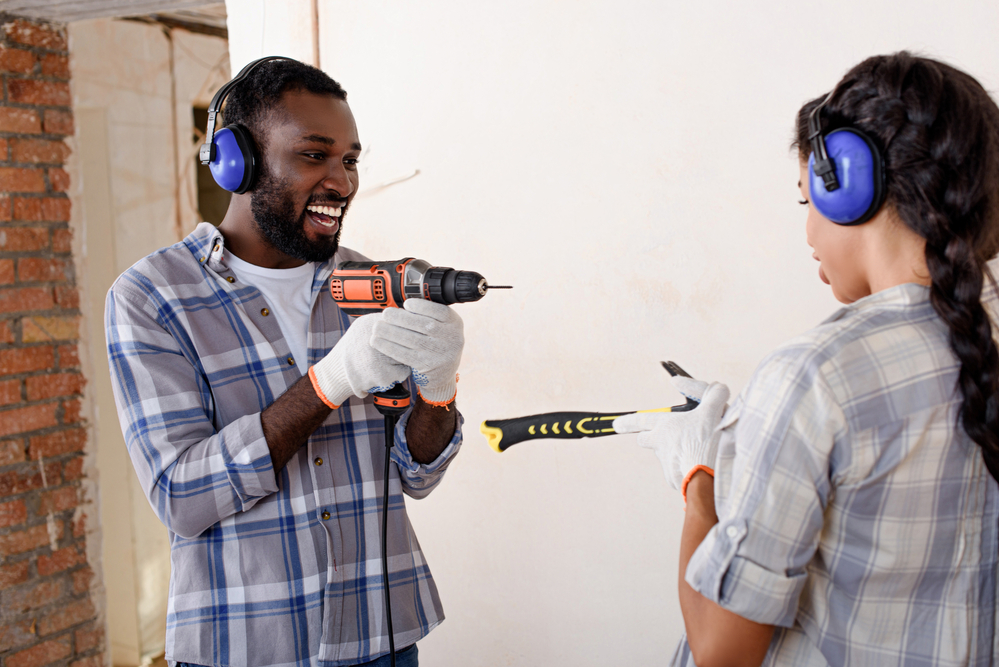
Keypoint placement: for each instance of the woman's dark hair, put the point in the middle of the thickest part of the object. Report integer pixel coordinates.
(939, 133)
(257, 96)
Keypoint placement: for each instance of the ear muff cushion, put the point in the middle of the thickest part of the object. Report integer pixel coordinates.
(235, 165)
(860, 172)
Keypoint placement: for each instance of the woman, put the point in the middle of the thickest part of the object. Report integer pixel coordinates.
(846, 510)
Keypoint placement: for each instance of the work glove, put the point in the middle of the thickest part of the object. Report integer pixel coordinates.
(353, 367)
(427, 337)
(683, 441)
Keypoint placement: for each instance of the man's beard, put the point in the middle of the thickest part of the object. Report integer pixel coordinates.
(273, 209)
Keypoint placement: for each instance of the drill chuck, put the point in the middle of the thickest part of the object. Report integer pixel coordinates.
(449, 286)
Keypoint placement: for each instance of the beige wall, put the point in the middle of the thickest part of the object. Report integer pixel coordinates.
(626, 167)
(133, 89)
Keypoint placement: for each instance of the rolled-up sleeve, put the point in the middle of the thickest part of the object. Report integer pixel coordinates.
(774, 461)
(192, 474)
(419, 479)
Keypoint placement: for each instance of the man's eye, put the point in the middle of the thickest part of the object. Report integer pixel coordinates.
(803, 202)
(314, 156)
(351, 160)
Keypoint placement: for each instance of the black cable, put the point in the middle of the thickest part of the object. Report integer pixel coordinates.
(389, 436)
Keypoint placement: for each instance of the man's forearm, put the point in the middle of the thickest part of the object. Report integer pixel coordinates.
(430, 429)
(717, 637)
(291, 419)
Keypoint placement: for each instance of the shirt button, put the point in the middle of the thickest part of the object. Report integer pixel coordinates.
(319, 461)
(265, 312)
(291, 362)
(326, 516)
(732, 531)
(230, 279)
(202, 259)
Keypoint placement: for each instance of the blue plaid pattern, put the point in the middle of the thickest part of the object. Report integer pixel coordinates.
(259, 576)
(854, 513)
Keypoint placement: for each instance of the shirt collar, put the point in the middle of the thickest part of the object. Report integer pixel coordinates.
(899, 296)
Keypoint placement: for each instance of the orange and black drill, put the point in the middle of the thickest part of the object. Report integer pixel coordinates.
(360, 288)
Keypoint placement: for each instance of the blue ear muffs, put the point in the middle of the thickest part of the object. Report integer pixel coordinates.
(846, 175)
(234, 165)
(231, 153)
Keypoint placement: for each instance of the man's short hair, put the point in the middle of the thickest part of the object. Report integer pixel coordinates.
(252, 101)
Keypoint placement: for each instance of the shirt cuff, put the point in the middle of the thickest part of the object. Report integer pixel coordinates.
(403, 459)
(739, 585)
(247, 458)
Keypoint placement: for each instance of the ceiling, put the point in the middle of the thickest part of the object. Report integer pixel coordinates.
(206, 14)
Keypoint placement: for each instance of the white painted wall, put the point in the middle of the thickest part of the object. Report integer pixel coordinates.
(130, 197)
(625, 165)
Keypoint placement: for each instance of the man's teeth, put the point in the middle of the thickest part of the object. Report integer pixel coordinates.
(326, 210)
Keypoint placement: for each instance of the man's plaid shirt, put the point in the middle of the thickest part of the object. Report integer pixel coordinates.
(267, 569)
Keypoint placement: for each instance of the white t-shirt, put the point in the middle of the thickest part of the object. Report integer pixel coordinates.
(288, 292)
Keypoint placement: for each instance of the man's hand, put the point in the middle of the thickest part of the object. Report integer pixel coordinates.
(681, 440)
(354, 367)
(428, 337)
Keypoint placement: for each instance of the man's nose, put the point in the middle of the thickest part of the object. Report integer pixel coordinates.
(338, 179)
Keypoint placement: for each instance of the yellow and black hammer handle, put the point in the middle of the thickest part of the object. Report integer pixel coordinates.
(503, 433)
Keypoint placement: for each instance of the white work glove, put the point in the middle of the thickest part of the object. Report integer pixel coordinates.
(353, 367)
(427, 337)
(681, 440)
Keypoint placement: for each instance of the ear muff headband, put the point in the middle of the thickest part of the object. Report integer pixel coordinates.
(231, 153)
(845, 172)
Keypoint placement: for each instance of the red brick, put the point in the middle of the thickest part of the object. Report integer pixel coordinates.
(23, 299)
(14, 574)
(17, 635)
(24, 239)
(79, 526)
(10, 392)
(73, 614)
(42, 654)
(38, 150)
(71, 411)
(58, 122)
(73, 470)
(59, 179)
(82, 579)
(38, 34)
(6, 271)
(55, 209)
(22, 179)
(12, 513)
(67, 296)
(20, 480)
(4, 152)
(17, 61)
(6, 332)
(24, 540)
(55, 65)
(28, 209)
(60, 442)
(91, 661)
(20, 121)
(69, 356)
(89, 637)
(27, 359)
(42, 93)
(11, 451)
(58, 500)
(61, 560)
(39, 269)
(25, 420)
(5, 209)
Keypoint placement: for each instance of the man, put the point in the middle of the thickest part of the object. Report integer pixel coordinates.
(269, 478)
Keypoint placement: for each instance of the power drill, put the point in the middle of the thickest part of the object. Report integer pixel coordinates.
(360, 288)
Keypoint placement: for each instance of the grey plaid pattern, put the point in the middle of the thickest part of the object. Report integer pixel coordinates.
(266, 569)
(854, 513)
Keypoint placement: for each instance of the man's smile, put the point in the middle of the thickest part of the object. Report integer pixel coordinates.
(325, 216)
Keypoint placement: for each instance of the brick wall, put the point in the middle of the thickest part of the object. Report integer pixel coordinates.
(47, 614)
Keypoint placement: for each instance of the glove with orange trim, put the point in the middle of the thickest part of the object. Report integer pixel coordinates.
(683, 441)
(428, 337)
(353, 367)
